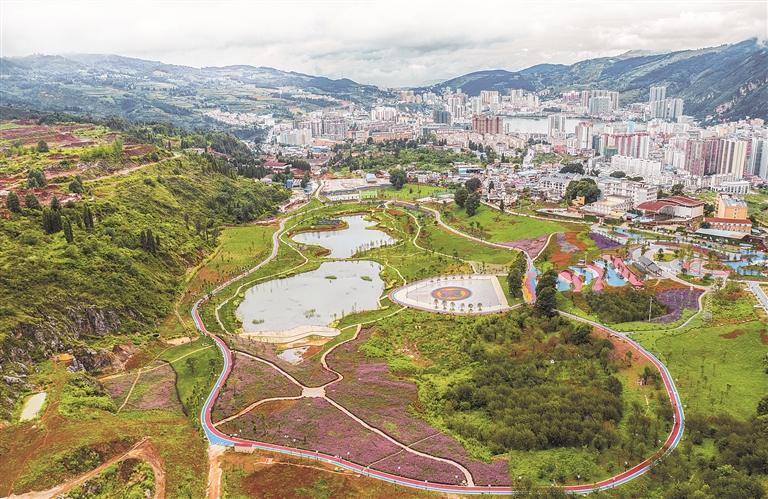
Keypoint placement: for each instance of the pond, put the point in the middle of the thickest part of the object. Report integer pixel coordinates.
(293, 355)
(32, 406)
(345, 243)
(313, 298)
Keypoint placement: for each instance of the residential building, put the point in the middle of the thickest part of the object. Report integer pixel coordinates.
(636, 166)
(637, 192)
(758, 158)
(488, 124)
(728, 206)
(556, 125)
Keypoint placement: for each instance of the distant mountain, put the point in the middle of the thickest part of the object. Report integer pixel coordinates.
(136, 89)
(725, 82)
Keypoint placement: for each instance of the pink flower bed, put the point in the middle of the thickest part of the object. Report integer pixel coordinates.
(249, 382)
(374, 395)
(531, 245)
(312, 424)
(156, 389)
(410, 465)
(442, 445)
(309, 372)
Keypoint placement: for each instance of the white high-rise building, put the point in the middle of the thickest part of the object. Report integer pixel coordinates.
(556, 125)
(758, 158)
(658, 93)
(584, 135)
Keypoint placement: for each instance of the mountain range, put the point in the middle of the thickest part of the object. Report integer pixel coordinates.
(725, 82)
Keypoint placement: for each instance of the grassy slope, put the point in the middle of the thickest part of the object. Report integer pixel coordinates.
(502, 227)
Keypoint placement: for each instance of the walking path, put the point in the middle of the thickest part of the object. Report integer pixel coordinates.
(216, 437)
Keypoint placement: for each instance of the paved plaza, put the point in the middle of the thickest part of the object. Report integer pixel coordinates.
(457, 294)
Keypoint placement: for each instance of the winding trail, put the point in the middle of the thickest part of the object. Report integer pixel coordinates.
(216, 437)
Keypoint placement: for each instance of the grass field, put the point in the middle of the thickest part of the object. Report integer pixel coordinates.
(716, 374)
(502, 227)
(411, 192)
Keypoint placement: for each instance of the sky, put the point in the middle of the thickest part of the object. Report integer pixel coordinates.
(392, 43)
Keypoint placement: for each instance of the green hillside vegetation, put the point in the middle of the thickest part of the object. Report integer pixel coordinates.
(114, 263)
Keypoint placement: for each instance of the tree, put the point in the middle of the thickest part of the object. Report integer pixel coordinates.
(76, 185)
(42, 146)
(547, 280)
(51, 221)
(67, 230)
(586, 187)
(618, 174)
(515, 282)
(117, 149)
(762, 406)
(13, 202)
(398, 177)
(573, 168)
(705, 225)
(460, 196)
(501, 205)
(305, 180)
(473, 203)
(55, 204)
(677, 190)
(32, 202)
(87, 217)
(36, 178)
(546, 302)
(582, 333)
(473, 184)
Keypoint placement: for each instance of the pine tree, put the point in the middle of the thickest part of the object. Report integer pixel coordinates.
(32, 202)
(55, 204)
(68, 231)
(501, 206)
(42, 146)
(51, 221)
(13, 203)
(87, 217)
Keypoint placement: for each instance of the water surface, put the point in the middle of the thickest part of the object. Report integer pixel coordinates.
(312, 298)
(345, 243)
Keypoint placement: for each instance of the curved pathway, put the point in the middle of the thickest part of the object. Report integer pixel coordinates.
(216, 437)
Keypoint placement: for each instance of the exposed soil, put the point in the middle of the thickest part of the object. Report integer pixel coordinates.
(764, 337)
(733, 334)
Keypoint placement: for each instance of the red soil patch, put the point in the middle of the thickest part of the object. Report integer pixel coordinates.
(733, 334)
(312, 350)
(139, 149)
(764, 337)
(560, 260)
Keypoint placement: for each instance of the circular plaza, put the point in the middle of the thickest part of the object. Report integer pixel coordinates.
(454, 294)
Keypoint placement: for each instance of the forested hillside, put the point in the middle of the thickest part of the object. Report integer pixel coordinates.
(82, 260)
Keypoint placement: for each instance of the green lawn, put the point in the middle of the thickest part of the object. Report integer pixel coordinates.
(715, 374)
(500, 227)
(411, 192)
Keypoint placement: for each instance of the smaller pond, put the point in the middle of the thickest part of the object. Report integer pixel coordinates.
(345, 243)
(32, 406)
(293, 355)
(626, 233)
(612, 278)
(313, 298)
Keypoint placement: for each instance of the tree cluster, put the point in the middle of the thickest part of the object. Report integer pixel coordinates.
(628, 305)
(586, 187)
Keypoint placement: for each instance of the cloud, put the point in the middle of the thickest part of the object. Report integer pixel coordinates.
(387, 43)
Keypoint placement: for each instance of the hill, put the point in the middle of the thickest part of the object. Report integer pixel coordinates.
(141, 90)
(117, 226)
(725, 82)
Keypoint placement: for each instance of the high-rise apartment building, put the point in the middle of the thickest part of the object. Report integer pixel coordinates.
(584, 135)
(488, 124)
(442, 117)
(556, 125)
(658, 93)
(733, 157)
(758, 158)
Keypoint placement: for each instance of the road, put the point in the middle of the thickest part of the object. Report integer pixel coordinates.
(759, 293)
(216, 437)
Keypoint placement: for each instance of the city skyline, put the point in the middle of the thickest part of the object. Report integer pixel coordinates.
(387, 44)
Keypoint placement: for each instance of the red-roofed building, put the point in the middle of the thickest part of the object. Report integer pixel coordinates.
(730, 224)
(673, 206)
